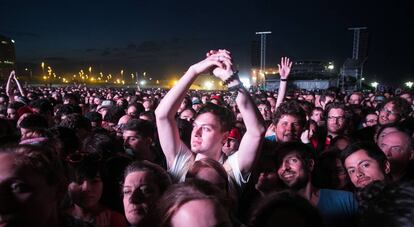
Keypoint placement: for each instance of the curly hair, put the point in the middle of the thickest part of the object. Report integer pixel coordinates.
(292, 108)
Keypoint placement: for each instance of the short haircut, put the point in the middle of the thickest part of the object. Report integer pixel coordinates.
(141, 127)
(44, 106)
(157, 173)
(305, 152)
(287, 208)
(371, 149)
(34, 122)
(335, 105)
(76, 122)
(225, 116)
(94, 116)
(400, 105)
(291, 108)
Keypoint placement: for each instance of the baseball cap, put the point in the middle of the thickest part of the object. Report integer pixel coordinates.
(196, 101)
(234, 134)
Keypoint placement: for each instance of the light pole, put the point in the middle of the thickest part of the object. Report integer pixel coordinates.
(374, 85)
(43, 69)
(30, 72)
(409, 84)
(263, 55)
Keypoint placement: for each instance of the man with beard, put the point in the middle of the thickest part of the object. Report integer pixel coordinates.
(295, 163)
(138, 136)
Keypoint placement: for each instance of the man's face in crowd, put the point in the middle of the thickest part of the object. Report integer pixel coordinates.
(265, 111)
(135, 142)
(336, 121)
(371, 120)
(317, 116)
(97, 101)
(355, 99)
(230, 146)
(196, 107)
(362, 169)
(384, 133)
(395, 146)
(11, 113)
(132, 111)
(147, 105)
(288, 128)
(293, 171)
(207, 137)
(388, 114)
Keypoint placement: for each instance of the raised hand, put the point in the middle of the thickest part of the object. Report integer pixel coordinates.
(12, 74)
(224, 57)
(284, 67)
(213, 60)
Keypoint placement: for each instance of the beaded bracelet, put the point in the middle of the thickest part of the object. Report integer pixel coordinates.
(236, 91)
(234, 76)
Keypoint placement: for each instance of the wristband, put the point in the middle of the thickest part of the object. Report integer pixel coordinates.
(283, 80)
(234, 76)
(236, 87)
(236, 91)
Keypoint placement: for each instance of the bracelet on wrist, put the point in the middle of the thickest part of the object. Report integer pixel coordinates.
(234, 76)
(283, 80)
(235, 87)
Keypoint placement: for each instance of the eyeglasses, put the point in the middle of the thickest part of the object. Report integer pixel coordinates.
(371, 121)
(82, 156)
(339, 118)
(388, 112)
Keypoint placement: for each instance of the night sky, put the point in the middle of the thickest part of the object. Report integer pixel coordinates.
(163, 38)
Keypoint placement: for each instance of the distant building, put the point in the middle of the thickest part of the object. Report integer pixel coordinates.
(7, 57)
(305, 74)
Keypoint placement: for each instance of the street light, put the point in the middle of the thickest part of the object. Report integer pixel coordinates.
(409, 84)
(374, 85)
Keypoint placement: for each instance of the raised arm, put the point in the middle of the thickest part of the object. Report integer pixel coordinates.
(284, 71)
(21, 90)
(9, 91)
(166, 110)
(249, 149)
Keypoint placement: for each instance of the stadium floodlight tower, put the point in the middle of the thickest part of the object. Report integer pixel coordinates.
(262, 77)
(356, 55)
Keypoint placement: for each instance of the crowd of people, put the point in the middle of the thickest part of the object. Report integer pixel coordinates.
(82, 156)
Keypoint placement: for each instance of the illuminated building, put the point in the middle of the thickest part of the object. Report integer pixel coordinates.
(7, 57)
